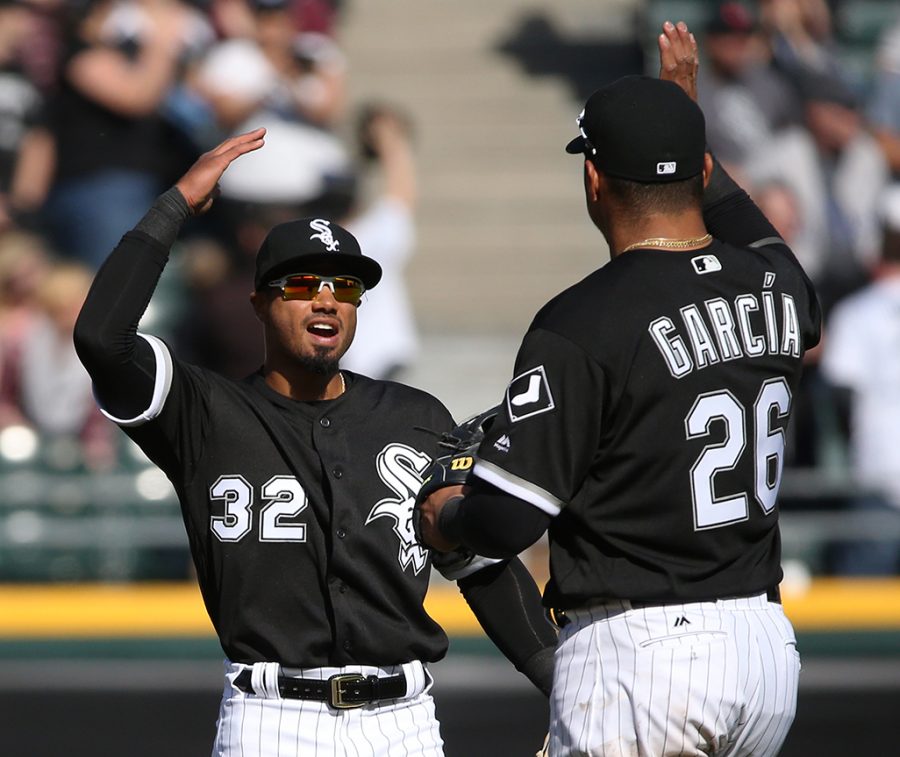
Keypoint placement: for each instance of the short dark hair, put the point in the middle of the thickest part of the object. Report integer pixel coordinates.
(637, 199)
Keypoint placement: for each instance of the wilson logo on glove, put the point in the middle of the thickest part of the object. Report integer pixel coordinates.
(454, 468)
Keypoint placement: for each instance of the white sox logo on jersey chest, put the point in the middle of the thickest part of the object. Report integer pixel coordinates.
(400, 467)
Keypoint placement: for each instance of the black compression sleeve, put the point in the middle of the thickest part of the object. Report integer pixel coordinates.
(491, 522)
(507, 603)
(730, 214)
(720, 185)
(121, 365)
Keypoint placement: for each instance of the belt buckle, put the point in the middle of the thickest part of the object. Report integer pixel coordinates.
(337, 695)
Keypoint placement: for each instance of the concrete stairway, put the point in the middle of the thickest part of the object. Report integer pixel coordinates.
(502, 225)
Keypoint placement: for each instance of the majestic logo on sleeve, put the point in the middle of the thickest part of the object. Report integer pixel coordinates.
(324, 234)
(529, 394)
(400, 467)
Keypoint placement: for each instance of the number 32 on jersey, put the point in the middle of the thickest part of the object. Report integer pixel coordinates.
(285, 499)
(774, 399)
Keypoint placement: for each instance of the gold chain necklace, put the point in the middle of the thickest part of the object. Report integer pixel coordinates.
(670, 244)
(343, 385)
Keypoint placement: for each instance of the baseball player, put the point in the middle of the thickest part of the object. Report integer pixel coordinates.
(296, 486)
(645, 427)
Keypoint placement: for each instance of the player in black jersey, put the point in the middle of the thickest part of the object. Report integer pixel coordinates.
(296, 486)
(644, 426)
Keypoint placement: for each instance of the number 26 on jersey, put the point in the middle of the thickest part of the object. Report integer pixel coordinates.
(754, 435)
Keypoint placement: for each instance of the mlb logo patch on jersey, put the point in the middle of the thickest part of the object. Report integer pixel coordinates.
(706, 264)
(529, 394)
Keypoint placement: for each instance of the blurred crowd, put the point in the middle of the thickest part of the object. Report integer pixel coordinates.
(816, 141)
(104, 103)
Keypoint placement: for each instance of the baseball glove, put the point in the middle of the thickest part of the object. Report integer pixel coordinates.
(454, 467)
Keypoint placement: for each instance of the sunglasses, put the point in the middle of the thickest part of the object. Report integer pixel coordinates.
(306, 286)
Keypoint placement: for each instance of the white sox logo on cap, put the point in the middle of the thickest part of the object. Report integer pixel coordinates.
(323, 228)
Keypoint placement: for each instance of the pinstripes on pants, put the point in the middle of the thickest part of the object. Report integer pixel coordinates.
(251, 725)
(707, 678)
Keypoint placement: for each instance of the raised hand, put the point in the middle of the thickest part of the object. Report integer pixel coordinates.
(200, 184)
(678, 57)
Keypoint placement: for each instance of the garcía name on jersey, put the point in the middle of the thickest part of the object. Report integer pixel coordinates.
(728, 332)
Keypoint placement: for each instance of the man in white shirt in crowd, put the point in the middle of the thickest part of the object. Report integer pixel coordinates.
(861, 357)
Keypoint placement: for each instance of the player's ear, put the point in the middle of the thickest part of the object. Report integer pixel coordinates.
(260, 303)
(592, 181)
(707, 168)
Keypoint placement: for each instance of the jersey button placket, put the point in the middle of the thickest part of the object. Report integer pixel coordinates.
(324, 422)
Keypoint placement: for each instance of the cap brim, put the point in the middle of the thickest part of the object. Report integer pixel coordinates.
(365, 269)
(576, 146)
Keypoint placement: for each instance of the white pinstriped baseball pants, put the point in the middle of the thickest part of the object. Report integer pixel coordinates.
(265, 725)
(707, 678)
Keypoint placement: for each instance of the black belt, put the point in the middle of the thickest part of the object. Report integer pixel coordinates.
(343, 691)
(559, 617)
(773, 595)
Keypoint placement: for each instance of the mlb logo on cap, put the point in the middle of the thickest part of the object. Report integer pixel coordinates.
(665, 168)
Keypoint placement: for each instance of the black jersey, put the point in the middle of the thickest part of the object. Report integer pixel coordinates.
(655, 394)
(298, 513)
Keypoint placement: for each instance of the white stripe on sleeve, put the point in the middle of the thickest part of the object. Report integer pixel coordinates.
(518, 487)
(161, 386)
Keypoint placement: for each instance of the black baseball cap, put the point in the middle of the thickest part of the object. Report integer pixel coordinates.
(313, 245)
(642, 129)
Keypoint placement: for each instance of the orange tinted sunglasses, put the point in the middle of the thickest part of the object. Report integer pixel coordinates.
(306, 286)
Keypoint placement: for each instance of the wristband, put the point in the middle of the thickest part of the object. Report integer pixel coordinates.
(164, 219)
